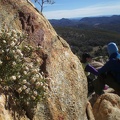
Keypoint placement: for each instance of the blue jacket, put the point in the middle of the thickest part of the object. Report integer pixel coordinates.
(112, 66)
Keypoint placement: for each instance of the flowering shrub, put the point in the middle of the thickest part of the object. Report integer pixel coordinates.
(20, 78)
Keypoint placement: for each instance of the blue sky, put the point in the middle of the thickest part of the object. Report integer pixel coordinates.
(80, 8)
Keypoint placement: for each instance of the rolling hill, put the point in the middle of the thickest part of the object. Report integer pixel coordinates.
(111, 23)
(89, 34)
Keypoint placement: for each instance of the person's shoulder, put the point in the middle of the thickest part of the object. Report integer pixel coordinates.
(114, 61)
(109, 62)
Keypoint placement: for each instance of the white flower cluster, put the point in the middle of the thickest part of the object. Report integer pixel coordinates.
(22, 75)
(33, 83)
(9, 46)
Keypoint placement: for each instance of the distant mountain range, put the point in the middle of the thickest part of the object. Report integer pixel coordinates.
(111, 23)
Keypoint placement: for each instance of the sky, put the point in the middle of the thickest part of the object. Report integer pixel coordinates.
(80, 8)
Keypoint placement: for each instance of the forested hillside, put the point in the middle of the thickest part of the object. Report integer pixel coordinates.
(88, 40)
(89, 34)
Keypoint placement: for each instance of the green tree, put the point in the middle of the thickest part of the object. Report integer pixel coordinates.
(42, 2)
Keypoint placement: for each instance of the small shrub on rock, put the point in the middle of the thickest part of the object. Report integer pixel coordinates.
(20, 77)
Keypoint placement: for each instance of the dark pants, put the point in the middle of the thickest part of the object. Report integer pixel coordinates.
(90, 85)
(108, 79)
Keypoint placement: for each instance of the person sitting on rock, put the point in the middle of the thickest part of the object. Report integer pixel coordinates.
(110, 73)
(86, 60)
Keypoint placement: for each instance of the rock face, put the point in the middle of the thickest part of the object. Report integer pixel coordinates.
(107, 107)
(67, 98)
(4, 114)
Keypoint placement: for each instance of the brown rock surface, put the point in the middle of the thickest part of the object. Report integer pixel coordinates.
(7, 114)
(107, 107)
(68, 88)
(90, 112)
(4, 114)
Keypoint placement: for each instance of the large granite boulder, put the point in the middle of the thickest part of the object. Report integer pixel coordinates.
(107, 107)
(67, 98)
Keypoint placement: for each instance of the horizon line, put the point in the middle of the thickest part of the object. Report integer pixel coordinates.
(85, 17)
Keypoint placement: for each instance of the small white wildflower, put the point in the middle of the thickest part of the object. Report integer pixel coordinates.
(13, 77)
(13, 63)
(27, 90)
(27, 103)
(6, 88)
(44, 87)
(15, 40)
(37, 60)
(37, 75)
(46, 84)
(31, 47)
(48, 78)
(41, 76)
(19, 34)
(4, 41)
(16, 56)
(40, 47)
(7, 50)
(18, 76)
(7, 30)
(30, 65)
(42, 73)
(37, 84)
(35, 93)
(19, 90)
(28, 84)
(15, 36)
(26, 68)
(13, 51)
(45, 93)
(2, 30)
(41, 83)
(27, 47)
(25, 72)
(8, 34)
(19, 60)
(15, 47)
(18, 51)
(33, 97)
(35, 70)
(12, 44)
(38, 69)
(1, 62)
(21, 55)
(33, 80)
(24, 81)
(24, 87)
(13, 31)
(12, 38)
(2, 51)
